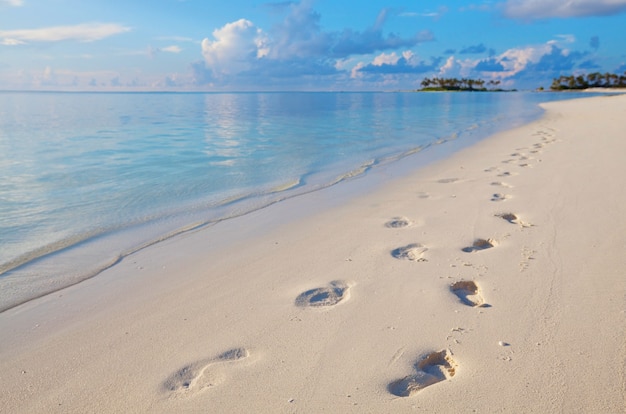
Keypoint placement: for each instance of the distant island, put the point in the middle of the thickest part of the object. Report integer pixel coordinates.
(591, 80)
(562, 83)
(454, 84)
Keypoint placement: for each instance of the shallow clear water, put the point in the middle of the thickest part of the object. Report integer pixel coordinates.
(99, 175)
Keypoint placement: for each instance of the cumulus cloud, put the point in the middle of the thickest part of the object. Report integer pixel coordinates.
(557, 60)
(87, 32)
(299, 35)
(517, 59)
(531, 64)
(386, 59)
(542, 9)
(454, 67)
(234, 47)
(392, 63)
(294, 46)
(489, 65)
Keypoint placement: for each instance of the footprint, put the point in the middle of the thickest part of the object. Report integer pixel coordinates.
(202, 375)
(447, 180)
(506, 174)
(500, 197)
(398, 222)
(423, 195)
(468, 292)
(513, 219)
(480, 244)
(501, 184)
(431, 369)
(413, 252)
(335, 292)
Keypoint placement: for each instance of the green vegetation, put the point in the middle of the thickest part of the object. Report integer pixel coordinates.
(453, 84)
(591, 80)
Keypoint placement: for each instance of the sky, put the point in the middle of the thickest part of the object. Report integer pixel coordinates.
(306, 45)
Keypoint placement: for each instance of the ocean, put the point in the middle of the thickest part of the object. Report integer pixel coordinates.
(90, 178)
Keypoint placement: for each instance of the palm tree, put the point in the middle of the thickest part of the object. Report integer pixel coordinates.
(494, 83)
(592, 79)
(571, 82)
(556, 85)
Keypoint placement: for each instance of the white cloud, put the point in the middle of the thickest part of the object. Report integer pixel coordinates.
(11, 42)
(449, 67)
(457, 67)
(295, 46)
(172, 49)
(355, 73)
(540, 9)
(386, 59)
(565, 38)
(515, 60)
(436, 15)
(87, 32)
(235, 45)
(408, 58)
(14, 3)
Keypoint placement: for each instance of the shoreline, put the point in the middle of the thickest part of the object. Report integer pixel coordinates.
(44, 270)
(237, 303)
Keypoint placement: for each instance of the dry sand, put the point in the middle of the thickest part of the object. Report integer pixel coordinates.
(492, 281)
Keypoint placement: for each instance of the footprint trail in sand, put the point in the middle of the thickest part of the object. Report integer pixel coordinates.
(204, 374)
(431, 369)
(330, 295)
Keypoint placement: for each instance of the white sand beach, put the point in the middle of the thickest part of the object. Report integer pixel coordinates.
(491, 281)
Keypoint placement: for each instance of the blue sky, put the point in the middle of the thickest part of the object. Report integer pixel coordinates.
(252, 45)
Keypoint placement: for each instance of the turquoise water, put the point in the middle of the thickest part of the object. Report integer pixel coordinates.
(96, 176)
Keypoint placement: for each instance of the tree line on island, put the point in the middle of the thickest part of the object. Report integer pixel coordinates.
(454, 84)
(572, 82)
(591, 80)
